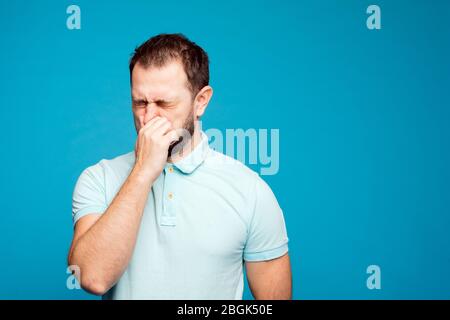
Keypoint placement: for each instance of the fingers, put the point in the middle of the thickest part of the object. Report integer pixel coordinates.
(154, 125)
(166, 131)
(160, 127)
(151, 123)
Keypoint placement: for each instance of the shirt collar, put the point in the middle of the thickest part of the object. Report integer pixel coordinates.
(195, 158)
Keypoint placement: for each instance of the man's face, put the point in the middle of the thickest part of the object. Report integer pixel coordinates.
(162, 91)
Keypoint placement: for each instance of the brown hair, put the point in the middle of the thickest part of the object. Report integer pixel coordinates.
(160, 49)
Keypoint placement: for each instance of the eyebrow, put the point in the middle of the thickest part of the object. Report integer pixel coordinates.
(157, 101)
(138, 100)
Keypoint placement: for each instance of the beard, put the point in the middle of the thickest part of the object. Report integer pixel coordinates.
(188, 127)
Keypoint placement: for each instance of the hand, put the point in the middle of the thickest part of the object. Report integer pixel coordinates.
(152, 145)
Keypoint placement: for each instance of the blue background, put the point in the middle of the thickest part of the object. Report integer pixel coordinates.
(363, 118)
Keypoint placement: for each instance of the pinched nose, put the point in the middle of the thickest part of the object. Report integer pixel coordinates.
(150, 112)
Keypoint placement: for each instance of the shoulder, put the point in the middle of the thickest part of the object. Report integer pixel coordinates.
(237, 175)
(116, 166)
(232, 169)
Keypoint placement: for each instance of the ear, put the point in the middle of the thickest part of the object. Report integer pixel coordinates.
(202, 100)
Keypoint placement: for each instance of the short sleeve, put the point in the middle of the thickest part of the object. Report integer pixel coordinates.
(89, 193)
(267, 237)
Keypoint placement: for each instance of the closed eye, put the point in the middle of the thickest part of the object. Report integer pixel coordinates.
(139, 103)
(164, 104)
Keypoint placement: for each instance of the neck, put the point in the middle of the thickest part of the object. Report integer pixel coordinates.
(187, 147)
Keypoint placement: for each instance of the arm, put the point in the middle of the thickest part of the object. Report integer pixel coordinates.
(270, 280)
(102, 245)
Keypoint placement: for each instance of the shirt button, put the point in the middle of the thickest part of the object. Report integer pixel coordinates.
(170, 195)
(170, 169)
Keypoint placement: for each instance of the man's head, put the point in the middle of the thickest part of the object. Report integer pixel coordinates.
(169, 78)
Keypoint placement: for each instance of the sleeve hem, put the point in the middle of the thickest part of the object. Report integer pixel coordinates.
(267, 254)
(88, 210)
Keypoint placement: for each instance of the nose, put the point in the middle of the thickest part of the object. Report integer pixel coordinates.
(150, 112)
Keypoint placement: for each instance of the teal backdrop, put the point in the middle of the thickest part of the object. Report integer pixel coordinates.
(363, 118)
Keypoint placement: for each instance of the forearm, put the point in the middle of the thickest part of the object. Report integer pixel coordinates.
(271, 279)
(104, 251)
(275, 292)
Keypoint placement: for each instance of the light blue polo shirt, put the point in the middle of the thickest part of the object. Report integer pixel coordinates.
(204, 216)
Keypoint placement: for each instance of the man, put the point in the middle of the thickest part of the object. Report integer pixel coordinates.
(174, 219)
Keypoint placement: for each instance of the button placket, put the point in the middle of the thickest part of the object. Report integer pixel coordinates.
(168, 217)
